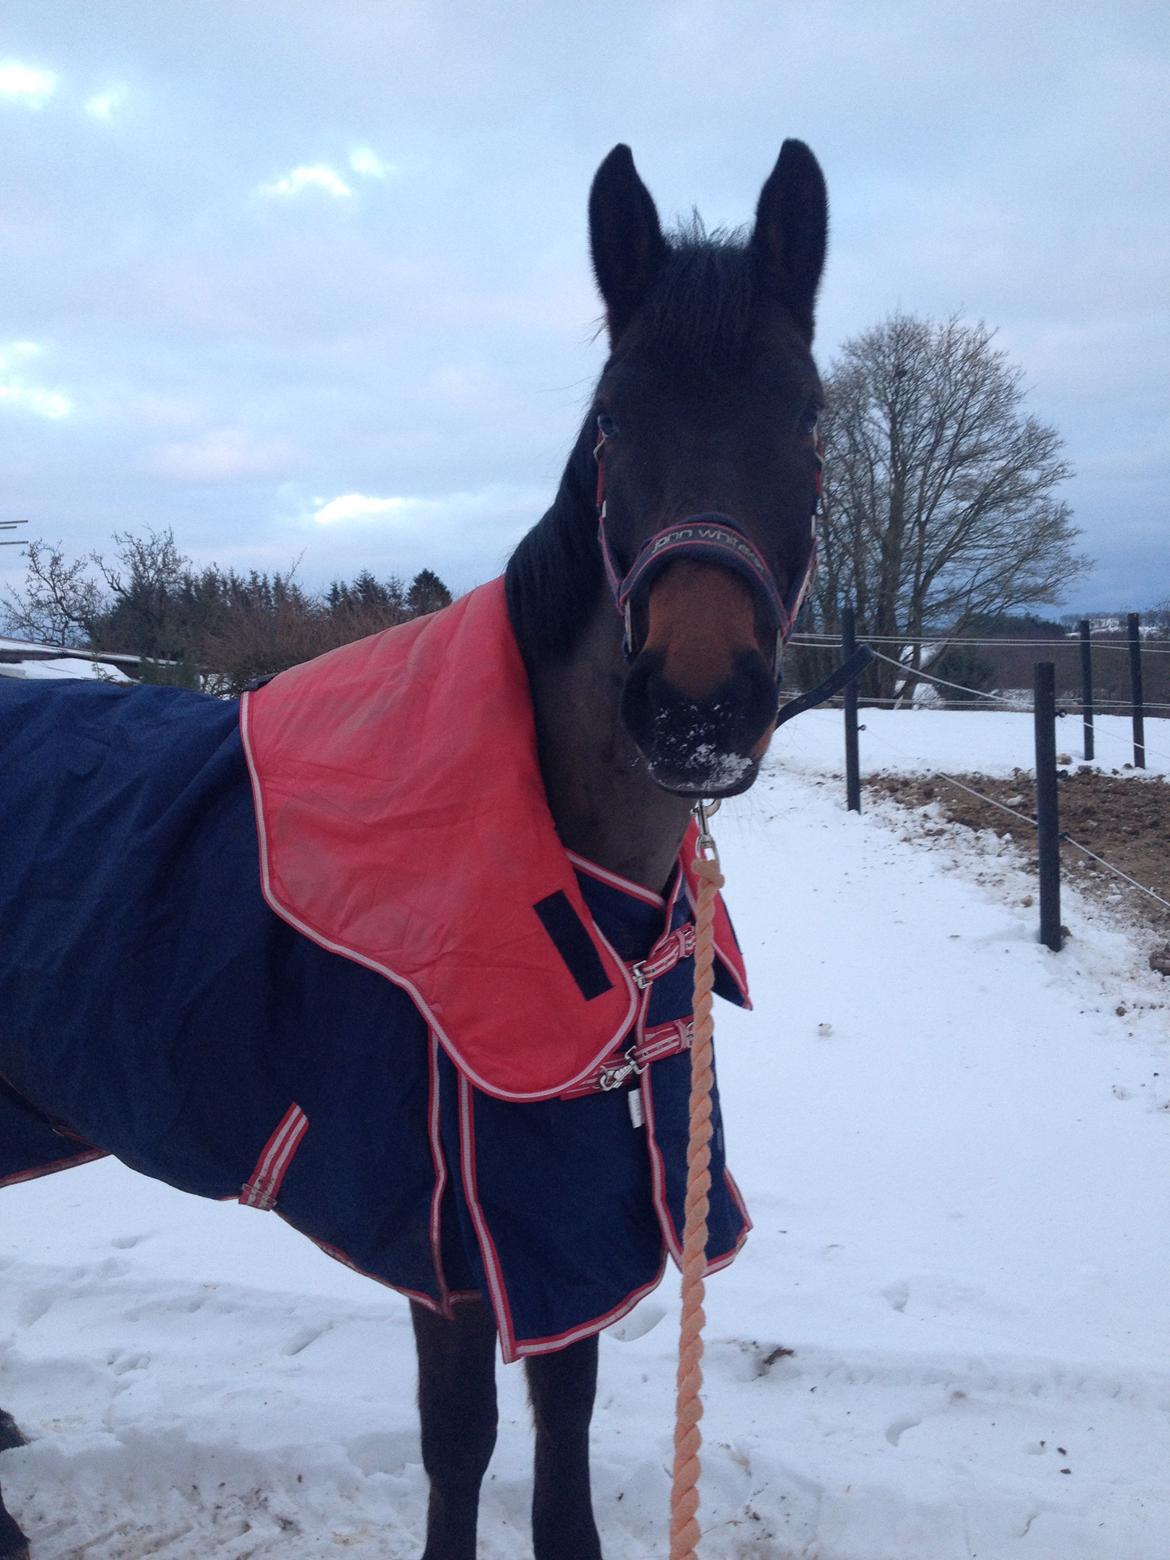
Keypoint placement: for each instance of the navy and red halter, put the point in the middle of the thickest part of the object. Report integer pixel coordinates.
(712, 538)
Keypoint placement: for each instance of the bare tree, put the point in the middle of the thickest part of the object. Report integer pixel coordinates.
(210, 628)
(60, 601)
(243, 646)
(144, 582)
(938, 503)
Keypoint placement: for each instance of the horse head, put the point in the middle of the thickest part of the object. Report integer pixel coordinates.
(704, 431)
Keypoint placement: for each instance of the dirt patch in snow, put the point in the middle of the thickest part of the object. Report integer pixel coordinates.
(1124, 818)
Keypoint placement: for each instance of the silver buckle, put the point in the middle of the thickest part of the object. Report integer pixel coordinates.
(613, 1077)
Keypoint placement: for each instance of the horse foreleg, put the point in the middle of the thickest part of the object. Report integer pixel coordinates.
(562, 1387)
(13, 1544)
(458, 1416)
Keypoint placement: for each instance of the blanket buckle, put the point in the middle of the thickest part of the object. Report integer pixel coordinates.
(613, 1077)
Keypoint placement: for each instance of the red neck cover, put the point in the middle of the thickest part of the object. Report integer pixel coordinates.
(403, 824)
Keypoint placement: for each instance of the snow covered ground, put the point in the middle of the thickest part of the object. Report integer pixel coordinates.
(947, 1339)
(988, 741)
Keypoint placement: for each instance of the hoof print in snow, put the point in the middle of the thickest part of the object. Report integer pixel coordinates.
(899, 1427)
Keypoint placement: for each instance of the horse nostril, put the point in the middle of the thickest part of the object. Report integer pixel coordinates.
(757, 701)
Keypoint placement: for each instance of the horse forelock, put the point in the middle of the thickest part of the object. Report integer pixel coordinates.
(704, 301)
(699, 317)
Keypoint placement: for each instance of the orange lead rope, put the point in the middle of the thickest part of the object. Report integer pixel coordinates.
(684, 1496)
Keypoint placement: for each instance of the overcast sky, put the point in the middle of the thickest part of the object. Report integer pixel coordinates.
(311, 280)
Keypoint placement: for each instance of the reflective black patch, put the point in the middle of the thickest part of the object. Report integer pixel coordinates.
(573, 943)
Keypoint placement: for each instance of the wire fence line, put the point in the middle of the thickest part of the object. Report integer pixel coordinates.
(1067, 839)
(1014, 704)
(1011, 704)
(1020, 706)
(831, 641)
(1032, 823)
(1118, 704)
(943, 682)
(1045, 710)
(1003, 807)
(1126, 742)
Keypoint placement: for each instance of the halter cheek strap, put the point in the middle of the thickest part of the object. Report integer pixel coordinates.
(712, 538)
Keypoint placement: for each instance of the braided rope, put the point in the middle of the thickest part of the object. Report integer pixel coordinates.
(684, 1496)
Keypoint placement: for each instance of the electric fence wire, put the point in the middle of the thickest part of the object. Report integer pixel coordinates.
(943, 682)
(991, 801)
(1011, 704)
(944, 641)
(1020, 706)
(1067, 839)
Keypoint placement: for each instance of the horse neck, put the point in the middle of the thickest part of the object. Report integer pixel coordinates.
(603, 801)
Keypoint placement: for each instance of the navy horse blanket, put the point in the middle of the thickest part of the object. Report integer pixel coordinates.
(258, 951)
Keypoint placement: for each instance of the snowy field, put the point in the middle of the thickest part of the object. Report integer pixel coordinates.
(989, 742)
(947, 1339)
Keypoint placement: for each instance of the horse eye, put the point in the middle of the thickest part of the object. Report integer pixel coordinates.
(607, 426)
(808, 418)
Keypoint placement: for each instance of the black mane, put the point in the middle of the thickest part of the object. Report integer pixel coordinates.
(699, 312)
(553, 577)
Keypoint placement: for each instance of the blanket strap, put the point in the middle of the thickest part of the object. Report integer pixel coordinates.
(684, 1495)
(263, 1185)
(658, 1041)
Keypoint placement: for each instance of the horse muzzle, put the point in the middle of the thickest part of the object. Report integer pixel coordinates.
(702, 694)
(700, 744)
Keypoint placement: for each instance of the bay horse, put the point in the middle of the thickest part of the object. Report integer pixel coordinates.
(643, 618)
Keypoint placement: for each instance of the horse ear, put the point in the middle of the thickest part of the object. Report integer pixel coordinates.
(792, 222)
(625, 238)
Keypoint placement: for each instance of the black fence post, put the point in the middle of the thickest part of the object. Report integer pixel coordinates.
(1047, 805)
(852, 756)
(1087, 686)
(1135, 692)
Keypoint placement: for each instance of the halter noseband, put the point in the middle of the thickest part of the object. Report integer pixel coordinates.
(713, 538)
